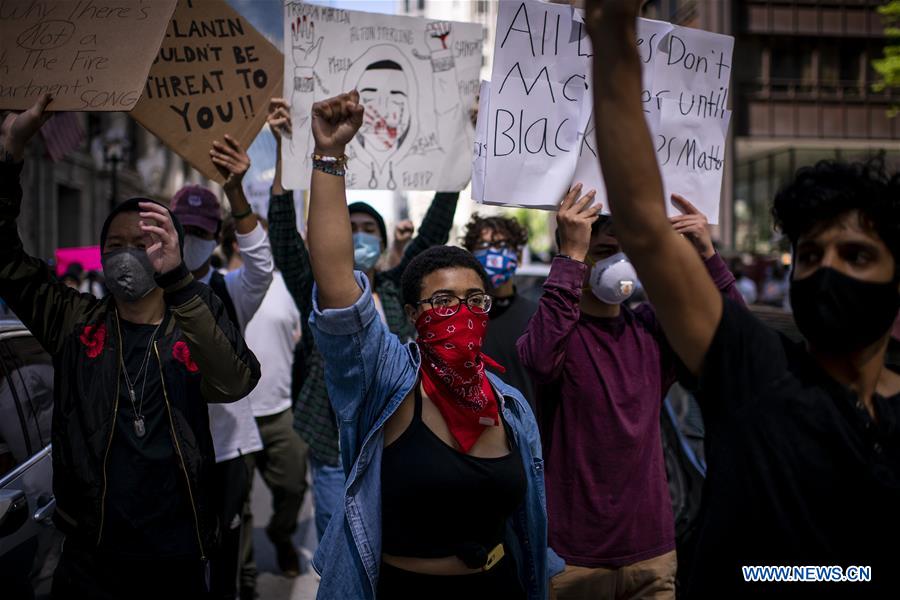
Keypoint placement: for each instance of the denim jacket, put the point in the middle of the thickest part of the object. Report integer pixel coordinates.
(369, 373)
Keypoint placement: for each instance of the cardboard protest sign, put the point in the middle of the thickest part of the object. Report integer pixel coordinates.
(91, 55)
(541, 135)
(214, 74)
(417, 80)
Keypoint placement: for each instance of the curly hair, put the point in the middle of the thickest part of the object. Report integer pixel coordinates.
(819, 195)
(514, 231)
(434, 259)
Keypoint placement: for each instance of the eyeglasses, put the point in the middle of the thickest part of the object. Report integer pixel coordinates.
(447, 305)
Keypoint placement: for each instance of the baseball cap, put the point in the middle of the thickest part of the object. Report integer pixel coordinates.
(197, 206)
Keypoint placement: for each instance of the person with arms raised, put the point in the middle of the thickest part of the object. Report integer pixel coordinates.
(314, 419)
(603, 369)
(803, 443)
(444, 497)
(134, 372)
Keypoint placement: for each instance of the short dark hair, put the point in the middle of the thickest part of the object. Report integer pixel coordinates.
(515, 231)
(434, 259)
(819, 195)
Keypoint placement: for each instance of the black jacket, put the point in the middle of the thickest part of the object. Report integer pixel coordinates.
(202, 358)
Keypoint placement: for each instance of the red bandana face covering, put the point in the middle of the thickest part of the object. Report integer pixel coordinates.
(453, 372)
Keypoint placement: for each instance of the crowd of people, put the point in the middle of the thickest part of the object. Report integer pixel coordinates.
(461, 438)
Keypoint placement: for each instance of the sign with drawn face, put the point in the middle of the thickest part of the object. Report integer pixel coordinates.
(90, 56)
(417, 79)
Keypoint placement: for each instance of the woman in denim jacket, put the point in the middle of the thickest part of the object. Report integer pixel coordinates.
(445, 491)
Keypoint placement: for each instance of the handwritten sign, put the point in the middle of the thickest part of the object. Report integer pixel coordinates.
(214, 74)
(540, 125)
(91, 55)
(417, 79)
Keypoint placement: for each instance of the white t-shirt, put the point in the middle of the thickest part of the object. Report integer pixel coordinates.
(232, 425)
(272, 335)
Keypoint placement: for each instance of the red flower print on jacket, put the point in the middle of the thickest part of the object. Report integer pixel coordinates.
(94, 338)
(182, 353)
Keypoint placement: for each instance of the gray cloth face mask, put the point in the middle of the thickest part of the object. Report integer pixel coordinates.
(128, 273)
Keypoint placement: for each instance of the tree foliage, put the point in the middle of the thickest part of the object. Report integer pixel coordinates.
(888, 67)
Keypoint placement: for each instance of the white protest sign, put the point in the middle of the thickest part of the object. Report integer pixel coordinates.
(479, 147)
(417, 79)
(537, 86)
(544, 50)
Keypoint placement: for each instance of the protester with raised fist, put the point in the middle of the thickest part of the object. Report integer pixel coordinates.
(314, 418)
(803, 443)
(132, 453)
(445, 490)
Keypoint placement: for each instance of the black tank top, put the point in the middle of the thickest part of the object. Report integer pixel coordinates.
(437, 501)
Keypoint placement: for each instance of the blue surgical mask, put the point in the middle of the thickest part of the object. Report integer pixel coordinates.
(500, 264)
(366, 251)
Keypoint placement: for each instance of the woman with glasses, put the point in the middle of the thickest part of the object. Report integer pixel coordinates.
(444, 494)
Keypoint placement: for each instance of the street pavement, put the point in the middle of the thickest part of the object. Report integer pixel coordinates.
(271, 585)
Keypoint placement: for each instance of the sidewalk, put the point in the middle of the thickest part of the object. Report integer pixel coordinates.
(271, 585)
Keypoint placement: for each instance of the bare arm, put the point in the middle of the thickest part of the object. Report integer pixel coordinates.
(334, 123)
(687, 302)
(279, 120)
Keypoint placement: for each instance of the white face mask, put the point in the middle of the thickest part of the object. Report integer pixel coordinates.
(613, 279)
(197, 251)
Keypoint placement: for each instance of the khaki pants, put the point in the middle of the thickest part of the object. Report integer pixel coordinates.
(649, 579)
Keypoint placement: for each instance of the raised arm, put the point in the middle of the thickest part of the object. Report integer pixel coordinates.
(248, 285)
(288, 248)
(688, 305)
(48, 308)
(334, 123)
(542, 349)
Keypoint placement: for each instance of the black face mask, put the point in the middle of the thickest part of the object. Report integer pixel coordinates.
(839, 314)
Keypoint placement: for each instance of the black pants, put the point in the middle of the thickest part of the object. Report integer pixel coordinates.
(231, 486)
(500, 583)
(83, 574)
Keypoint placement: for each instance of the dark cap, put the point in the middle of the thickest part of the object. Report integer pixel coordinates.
(362, 207)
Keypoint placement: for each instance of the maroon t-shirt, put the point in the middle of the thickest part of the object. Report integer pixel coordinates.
(601, 382)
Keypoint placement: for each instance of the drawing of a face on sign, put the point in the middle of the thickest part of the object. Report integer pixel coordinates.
(384, 91)
(387, 90)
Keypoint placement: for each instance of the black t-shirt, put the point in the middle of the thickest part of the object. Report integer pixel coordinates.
(509, 318)
(148, 512)
(798, 473)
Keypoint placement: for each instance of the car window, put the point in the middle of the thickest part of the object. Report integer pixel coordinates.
(26, 399)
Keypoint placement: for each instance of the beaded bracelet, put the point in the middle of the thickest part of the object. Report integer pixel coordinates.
(332, 165)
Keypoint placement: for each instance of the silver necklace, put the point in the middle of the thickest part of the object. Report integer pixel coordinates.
(140, 429)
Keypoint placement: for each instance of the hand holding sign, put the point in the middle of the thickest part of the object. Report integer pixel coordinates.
(17, 128)
(335, 121)
(693, 225)
(574, 220)
(231, 160)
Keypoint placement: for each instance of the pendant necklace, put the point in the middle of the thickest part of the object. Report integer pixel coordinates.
(140, 429)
